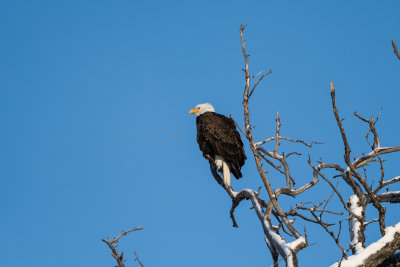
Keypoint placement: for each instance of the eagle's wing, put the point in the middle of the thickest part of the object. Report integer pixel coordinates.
(217, 135)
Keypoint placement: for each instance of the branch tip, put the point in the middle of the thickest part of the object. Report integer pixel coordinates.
(332, 87)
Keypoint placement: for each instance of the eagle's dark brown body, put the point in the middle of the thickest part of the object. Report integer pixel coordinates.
(217, 136)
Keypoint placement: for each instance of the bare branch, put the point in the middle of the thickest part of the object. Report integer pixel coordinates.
(252, 143)
(326, 204)
(372, 221)
(288, 139)
(324, 225)
(335, 190)
(138, 260)
(259, 80)
(278, 168)
(370, 156)
(278, 127)
(345, 143)
(218, 178)
(386, 183)
(112, 245)
(351, 167)
(371, 124)
(395, 50)
(237, 125)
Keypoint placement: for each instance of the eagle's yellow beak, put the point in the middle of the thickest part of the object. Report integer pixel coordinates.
(193, 111)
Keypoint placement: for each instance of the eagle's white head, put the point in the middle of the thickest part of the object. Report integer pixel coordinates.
(202, 108)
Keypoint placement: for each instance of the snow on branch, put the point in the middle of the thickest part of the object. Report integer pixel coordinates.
(376, 252)
(356, 225)
(274, 240)
(392, 197)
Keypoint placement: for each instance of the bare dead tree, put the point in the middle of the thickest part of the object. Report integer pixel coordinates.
(282, 236)
(112, 244)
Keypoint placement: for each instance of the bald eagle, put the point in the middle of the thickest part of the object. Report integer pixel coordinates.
(219, 140)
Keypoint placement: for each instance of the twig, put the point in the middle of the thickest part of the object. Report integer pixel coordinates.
(372, 221)
(278, 127)
(371, 124)
(287, 139)
(327, 201)
(395, 50)
(259, 80)
(336, 239)
(138, 260)
(237, 125)
(112, 245)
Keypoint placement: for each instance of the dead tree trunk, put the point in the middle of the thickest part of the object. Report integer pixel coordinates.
(278, 224)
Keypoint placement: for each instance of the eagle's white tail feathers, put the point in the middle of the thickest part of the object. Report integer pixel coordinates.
(227, 174)
(225, 169)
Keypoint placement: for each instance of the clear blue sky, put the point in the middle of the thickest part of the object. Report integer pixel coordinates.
(96, 138)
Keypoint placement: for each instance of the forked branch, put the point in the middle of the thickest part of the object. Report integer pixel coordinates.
(112, 244)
